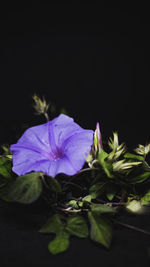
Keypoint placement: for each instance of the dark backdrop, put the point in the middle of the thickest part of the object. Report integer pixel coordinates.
(94, 62)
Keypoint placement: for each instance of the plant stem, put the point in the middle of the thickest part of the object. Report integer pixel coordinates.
(71, 183)
(46, 116)
(132, 227)
(85, 170)
(121, 200)
(69, 210)
(113, 203)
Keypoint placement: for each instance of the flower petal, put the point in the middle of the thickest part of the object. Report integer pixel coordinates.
(36, 137)
(77, 147)
(24, 159)
(61, 128)
(64, 166)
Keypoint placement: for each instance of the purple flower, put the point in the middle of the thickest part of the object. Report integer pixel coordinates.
(58, 146)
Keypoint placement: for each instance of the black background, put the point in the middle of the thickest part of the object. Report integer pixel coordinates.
(93, 61)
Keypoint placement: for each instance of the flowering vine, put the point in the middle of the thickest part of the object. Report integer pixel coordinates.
(85, 184)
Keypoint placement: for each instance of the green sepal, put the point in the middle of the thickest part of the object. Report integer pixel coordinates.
(26, 188)
(133, 156)
(77, 226)
(101, 229)
(101, 208)
(106, 165)
(140, 178)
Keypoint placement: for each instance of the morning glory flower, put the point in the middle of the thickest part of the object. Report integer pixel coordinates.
(58, 146)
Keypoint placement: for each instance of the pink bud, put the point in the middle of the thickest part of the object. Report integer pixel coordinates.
(99, 136)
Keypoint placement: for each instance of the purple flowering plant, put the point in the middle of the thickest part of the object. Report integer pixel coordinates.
(84, 184)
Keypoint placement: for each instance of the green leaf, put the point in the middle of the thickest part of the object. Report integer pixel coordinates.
(101, 208)
(60, 243)
(101, 230)
(134, 206)
(54, 184)
(111, 191)
(146, 198)
(76, 225)
(97, 189)
(5, 167)
(106, 165)
(73, 203)
(26, 189)
(53, 225)
(87, 198)
(80, 204)
(133, 156)
(140, 178)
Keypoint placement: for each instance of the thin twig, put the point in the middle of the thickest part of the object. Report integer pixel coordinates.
(113, 203)
(121, 201)
(71, 183)
(69, 210)
(132, 227)
(85, 170)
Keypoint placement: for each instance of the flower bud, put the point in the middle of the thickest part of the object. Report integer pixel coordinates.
(97, 144)
(142, 150)
(40, 106)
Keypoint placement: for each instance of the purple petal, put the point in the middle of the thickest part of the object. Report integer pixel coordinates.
(63, 166)
(24, 159)
(77, 147)
(36, 137)
(61, 128)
